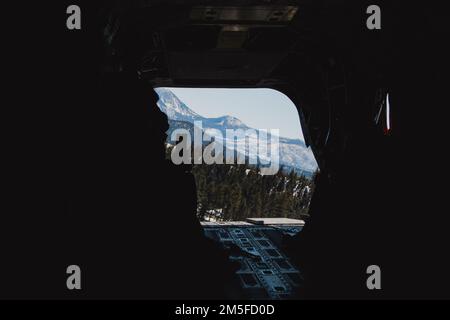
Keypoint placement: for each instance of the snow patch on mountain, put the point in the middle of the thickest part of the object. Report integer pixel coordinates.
(174, 108)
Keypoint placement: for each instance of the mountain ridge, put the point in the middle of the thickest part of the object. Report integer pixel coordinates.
(293, 152)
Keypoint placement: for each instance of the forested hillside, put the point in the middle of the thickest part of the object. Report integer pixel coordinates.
(240, 192)
(236, 192)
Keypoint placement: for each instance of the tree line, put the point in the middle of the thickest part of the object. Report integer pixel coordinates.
(240, 192)
(236, 192)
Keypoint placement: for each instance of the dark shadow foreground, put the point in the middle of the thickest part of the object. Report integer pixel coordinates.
(130, 221)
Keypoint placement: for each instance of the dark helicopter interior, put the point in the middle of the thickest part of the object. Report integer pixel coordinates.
(377, 201)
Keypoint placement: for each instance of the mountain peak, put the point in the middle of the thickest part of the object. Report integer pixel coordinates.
(174, 108)
(229, 122)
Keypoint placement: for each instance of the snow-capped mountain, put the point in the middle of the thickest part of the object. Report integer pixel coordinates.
(174, 108)
(293, 152)
(225, 122)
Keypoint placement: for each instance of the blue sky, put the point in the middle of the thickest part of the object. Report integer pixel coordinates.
(257, 108)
